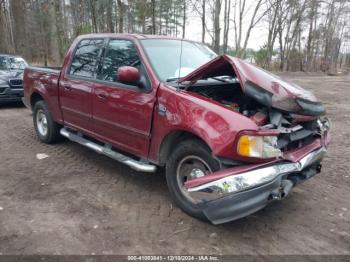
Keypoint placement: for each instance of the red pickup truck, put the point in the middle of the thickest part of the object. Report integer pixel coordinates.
(232, 137)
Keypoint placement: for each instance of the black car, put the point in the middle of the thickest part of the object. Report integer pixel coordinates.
(11, 77)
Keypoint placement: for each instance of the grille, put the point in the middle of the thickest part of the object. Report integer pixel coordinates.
(296, 139)
(15, 83)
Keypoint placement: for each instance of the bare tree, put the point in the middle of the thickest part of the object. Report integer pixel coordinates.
(302, 34)
(217, 28)
(120, 16)
(240, 13)
(227, 11)
(184, 19)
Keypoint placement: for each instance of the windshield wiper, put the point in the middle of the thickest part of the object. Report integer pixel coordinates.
(221, 79)
(172, 79)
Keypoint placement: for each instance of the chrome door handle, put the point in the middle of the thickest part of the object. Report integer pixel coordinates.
(67, 86)
(101, 95)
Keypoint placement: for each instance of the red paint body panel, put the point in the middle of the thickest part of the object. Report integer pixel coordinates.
(216, 124)
(123, 117)
(45, 84)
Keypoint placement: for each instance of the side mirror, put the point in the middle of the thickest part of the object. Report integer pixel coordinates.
(128, 75)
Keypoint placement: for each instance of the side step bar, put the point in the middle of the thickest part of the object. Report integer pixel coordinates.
(106, 150)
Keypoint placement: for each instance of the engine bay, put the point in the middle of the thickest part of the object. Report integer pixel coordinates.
(231, 96)
(294, 132)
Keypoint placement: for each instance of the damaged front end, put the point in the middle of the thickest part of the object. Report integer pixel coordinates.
(287, 148)
(238, 191)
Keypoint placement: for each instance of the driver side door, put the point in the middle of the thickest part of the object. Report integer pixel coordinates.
(122, 113)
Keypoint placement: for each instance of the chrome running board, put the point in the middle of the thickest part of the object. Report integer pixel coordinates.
(106, 150)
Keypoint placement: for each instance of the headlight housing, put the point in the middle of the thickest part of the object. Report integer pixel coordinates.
(3, 83)
(258, 146)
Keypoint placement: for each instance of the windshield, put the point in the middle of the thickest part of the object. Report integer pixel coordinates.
(12, 63)
(164, 55)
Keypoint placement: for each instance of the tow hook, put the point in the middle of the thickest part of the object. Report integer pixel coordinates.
(284, 189)
(318, 168)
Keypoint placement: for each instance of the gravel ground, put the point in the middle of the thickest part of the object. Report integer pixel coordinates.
(78, 202)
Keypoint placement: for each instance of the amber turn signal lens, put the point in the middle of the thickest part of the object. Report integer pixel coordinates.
(244, 146)
(258, 146)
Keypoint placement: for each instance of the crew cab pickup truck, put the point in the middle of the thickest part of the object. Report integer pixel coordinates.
(231, 137)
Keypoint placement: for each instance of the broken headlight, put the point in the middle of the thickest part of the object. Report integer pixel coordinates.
(258, 146)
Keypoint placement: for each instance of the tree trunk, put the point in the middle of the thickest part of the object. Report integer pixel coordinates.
(120, 16)
(59, 28)
(184, 19)
(154, 17)
(93, 15)
(227, 11)
(18, 13)
(203, 21)
(110, 27)
(217, 28)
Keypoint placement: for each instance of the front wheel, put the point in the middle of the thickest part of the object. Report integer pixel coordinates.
(47, 130)
(191, 159)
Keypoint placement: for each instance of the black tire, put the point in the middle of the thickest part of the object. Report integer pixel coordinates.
(185, 150)
(53, 129)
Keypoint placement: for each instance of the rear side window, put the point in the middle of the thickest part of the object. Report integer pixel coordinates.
(119, 53)
(86, 57)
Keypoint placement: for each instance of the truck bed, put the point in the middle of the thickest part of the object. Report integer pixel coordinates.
(46, 80)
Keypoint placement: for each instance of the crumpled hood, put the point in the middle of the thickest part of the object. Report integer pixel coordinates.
(271, 89)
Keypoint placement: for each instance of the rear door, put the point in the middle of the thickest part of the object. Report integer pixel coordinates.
(122, 114)
(76, 85)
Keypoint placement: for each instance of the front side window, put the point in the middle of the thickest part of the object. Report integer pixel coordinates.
(119, 53)
(86, 57)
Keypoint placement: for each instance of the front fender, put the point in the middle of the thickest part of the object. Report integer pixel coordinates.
(215, 124)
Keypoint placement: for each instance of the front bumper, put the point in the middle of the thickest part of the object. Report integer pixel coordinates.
(220, 207)
(11, 95)
(240, 191)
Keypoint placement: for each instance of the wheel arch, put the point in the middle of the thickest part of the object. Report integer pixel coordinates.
(51, 102)
(174, 138)
(35, 97)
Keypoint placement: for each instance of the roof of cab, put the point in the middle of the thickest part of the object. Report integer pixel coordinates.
(135, 36)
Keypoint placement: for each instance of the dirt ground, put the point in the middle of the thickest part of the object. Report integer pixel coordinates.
(78, 202)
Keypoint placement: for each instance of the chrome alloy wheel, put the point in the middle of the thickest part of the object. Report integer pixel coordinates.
(41, 122)
(190, 167)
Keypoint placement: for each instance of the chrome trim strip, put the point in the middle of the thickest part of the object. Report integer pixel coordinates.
(106, 150)
(252, 178)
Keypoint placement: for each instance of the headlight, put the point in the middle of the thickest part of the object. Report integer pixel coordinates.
(258, 146)
(3, 83)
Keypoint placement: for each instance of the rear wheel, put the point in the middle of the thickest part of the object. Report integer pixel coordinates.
(47, 130)
(191, 159)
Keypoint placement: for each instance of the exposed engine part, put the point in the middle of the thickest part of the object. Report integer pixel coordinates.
(260, 118)
(287, 130)
(231, 105)
(277, 119)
